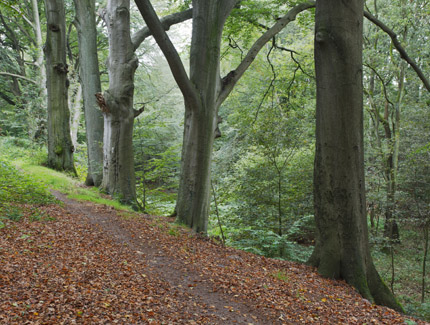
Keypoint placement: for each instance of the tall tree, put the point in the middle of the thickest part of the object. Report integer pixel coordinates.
(117, 104)
(89, 74)
(204, 91)
(342, 248)
(60, 148)
(118, 171)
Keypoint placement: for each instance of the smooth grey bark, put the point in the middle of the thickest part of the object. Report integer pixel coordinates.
(342, 248)
(201, 113)
(60, 148)
(118, 170)
(204, 91)
(75, 98)
(39, 47)
(118, 163)
(89, 74)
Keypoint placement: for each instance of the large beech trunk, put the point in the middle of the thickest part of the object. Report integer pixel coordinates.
(194, 187)
(118, 170)
(342, 249)
(90, 79)
(60, 148)
(201, 118)
(204, 91)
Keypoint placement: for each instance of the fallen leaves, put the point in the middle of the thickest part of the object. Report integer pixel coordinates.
(91, 266)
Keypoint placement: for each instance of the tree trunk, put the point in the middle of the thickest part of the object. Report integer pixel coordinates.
(342, 248)
(39, 47)
(201, 119)
(75, 98)
(90, 79)
(60, 148)
(203, 93)
(391, 229)
(118, 170)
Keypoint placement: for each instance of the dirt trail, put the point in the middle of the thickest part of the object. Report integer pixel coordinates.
(89, 264)
(194, 289)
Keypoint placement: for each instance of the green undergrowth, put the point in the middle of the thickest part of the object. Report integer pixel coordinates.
(408, 260)
(70, 186)
(23, 179)
(20, 195)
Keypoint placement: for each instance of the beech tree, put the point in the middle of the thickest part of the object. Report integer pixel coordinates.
(117, 101)
(342, 247)
(90, 79)
(60, 147)
(204, 91)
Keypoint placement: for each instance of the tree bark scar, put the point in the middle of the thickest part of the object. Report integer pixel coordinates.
(61, 68)
(321, 35)
(102, 103)
(54, 27)
(226, 80)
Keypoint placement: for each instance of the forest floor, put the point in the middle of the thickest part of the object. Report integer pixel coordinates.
(90, 264)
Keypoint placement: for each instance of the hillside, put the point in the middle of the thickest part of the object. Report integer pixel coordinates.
(88, 263)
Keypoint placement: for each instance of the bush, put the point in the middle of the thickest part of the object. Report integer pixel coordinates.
(303, 231)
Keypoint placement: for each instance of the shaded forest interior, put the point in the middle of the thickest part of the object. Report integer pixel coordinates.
(272, 127)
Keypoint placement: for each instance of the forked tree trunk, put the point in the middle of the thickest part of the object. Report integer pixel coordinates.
(342, 249)
(90, 79)
(118, 170)
(204, 91)
(60, 148)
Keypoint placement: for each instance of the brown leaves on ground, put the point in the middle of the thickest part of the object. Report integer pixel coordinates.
(91, 266)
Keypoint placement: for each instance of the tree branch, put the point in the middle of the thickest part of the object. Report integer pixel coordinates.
(139, 111)
(18, 76)
(167, 21)
(7, 98)
(28, 21)
(229, 81)
(176, 66)
(399, 48)
(384, 84)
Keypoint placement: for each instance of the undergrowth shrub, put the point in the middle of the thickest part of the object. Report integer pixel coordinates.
(12, 148)
(17, 192)
(267, 243)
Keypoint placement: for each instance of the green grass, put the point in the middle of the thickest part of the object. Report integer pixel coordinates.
(20, 194)
(70, 186)
(280, 275)
(26, 181)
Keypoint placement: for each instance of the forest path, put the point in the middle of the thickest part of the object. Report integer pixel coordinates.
(195, 291)
(83, 263)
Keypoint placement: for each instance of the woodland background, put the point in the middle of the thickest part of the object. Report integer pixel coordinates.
(262, 167)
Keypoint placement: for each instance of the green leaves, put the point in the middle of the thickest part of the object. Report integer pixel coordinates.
(16, 190)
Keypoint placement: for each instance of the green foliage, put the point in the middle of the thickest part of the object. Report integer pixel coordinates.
(280, 275)
(158, 137)
(267, 243)
(303, 230)
(80, 157)
(408, 258)
(17, 190)
(15, 186)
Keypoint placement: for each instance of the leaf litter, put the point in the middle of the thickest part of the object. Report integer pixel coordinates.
(88, 264)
